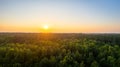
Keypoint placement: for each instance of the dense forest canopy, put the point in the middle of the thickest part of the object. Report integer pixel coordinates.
(59, 50)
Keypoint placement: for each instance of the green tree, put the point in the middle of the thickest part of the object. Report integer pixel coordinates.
(82, 64)
(44, 62)
(94, 64)
(111, 61)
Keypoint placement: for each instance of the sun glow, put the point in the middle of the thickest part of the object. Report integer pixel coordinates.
(45, 27)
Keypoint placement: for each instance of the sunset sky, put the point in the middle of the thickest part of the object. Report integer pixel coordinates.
(61, 16)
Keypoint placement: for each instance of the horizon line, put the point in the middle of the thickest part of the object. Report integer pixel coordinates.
(68, 32)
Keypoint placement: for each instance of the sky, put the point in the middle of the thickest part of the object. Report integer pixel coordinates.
(61, 16)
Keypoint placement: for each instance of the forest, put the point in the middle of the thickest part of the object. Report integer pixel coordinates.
(59, 50)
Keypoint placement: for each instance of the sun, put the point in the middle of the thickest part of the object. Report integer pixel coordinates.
(45, 27)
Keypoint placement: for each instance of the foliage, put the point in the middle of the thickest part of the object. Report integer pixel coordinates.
(59, 50)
